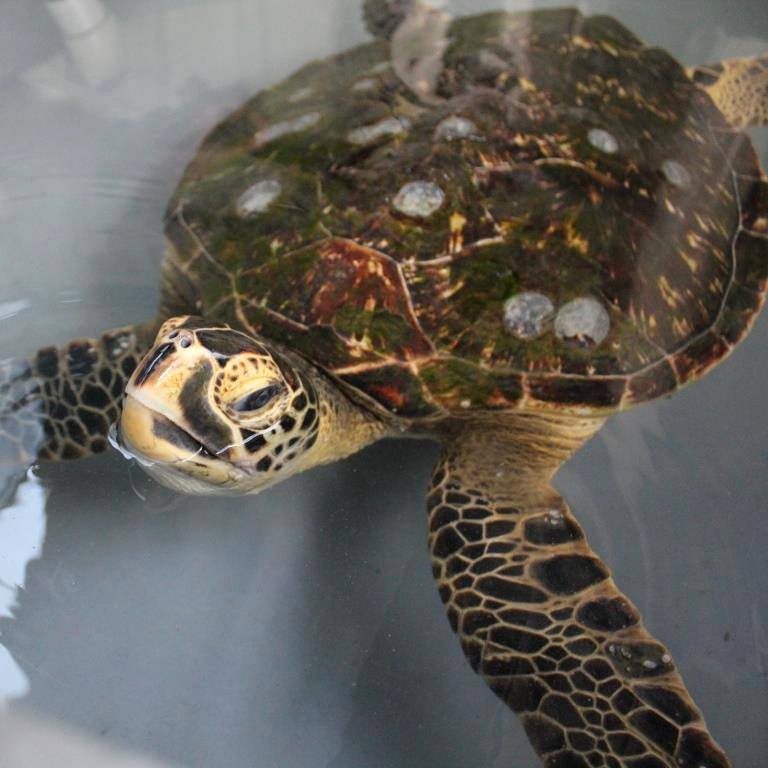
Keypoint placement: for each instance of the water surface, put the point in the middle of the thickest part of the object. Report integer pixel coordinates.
(302, 627)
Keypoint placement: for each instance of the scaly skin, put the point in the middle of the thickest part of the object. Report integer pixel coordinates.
(538, 614)
(739, 88)
(61, 404)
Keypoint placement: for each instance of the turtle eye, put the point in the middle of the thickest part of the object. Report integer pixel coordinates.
(255, 401)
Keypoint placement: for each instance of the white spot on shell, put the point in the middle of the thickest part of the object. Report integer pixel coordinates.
(389, 126)
(602, 140)
(301, 94)
(455, 127)
(257, 198)
(676, 174)
(466, 403)
(490, 60)
(583, 322)
(275, 131)
(382, 66)
(526, 313)
(418, 199)
(366, 84)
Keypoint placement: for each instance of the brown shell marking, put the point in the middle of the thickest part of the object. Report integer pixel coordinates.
(347, 307)
(663, 219)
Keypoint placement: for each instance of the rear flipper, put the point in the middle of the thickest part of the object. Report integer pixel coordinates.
(739, 87)
(539, 616)
(61, 404)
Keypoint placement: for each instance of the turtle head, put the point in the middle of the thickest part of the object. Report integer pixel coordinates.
(212, 410)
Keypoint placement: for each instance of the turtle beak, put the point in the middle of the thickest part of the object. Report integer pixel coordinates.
(168, 411)
(151, 437)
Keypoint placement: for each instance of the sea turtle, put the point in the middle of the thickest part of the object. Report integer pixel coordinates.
(493, 231)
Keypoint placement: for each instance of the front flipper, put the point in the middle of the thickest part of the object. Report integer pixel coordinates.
(739, 87)
(60, 404)
(538, 614)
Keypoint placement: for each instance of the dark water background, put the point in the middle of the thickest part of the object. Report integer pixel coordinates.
(302, 627)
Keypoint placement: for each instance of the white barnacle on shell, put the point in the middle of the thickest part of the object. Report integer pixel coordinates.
(258, 197)
(491, 60)
(676, 174)
(276, 130)
(456, 127)
(388, 126)
(381, 67)
(418, 199)
(366, 84)
(526, 314)
(602, 140)
(301, 94)
(583, 322)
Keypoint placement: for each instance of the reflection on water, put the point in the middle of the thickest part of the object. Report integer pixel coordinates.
(303, 627)
(29, 742)
(92, 38)
(9, 309)
(22, 533)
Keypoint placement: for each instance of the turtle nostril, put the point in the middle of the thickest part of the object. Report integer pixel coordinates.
(173, 335)
(185, 342)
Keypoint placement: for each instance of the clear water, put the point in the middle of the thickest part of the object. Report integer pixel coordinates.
(302, 627)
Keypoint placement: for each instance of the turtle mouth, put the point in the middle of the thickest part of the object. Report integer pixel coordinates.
(151, 436)
(165, 429)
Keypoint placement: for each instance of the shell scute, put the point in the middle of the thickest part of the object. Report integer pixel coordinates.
(736, 319)
(395, 387)
(357, 292)
(700, 355)
(753, 194)
(651, 383)
(610, 177)
(750, 251)
(736, 148)
(458, 385)
(587, 393)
